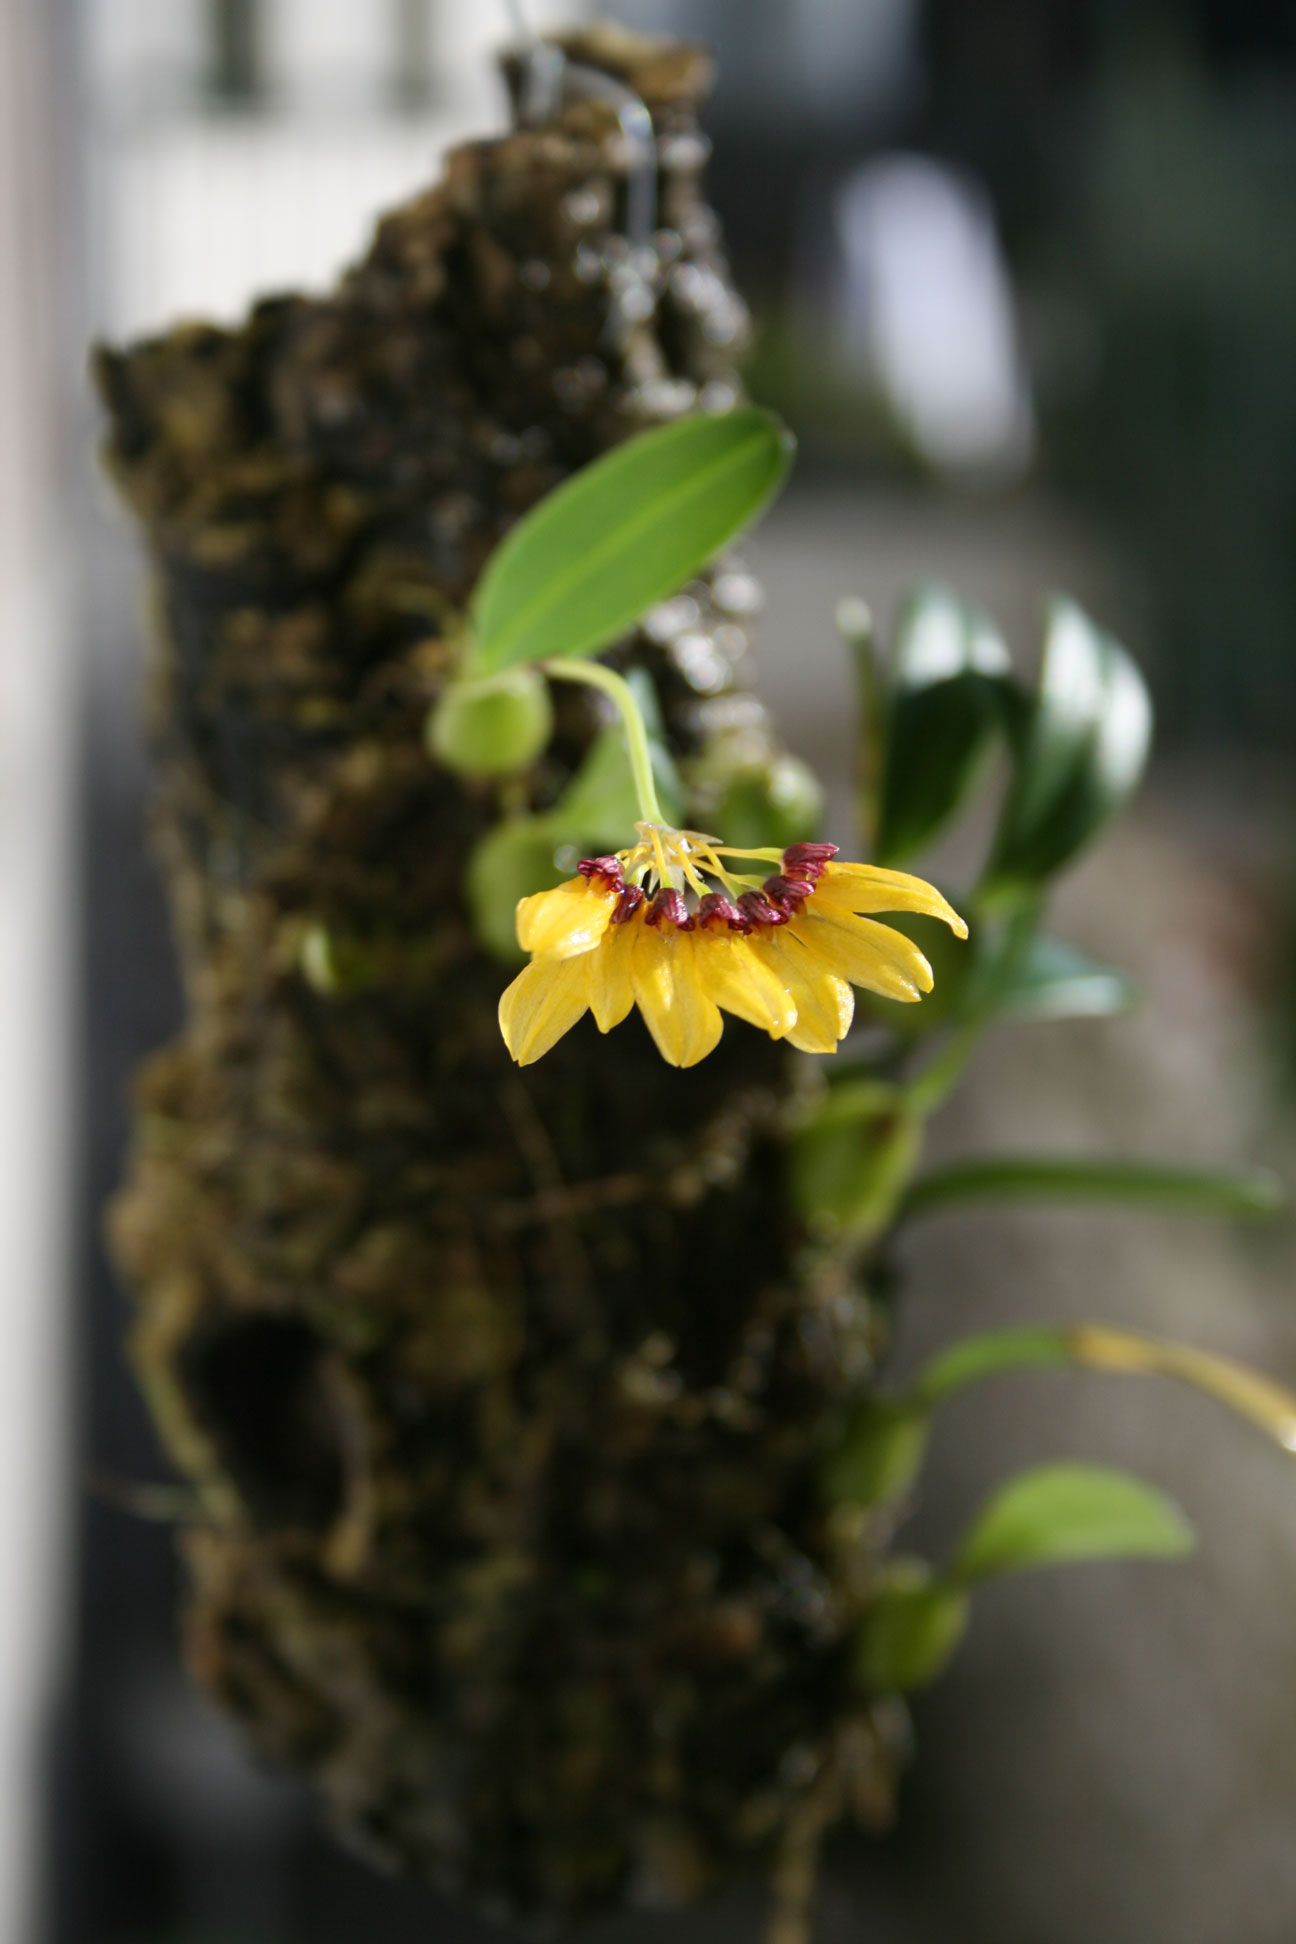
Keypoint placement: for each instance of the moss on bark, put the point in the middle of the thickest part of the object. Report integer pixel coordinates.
(503, 1391)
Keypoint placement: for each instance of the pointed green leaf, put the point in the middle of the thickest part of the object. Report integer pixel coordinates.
(1059, 1513)
(1055, 981)
(1147, 1184)
(944, 713)
(622, 534)
(1082, 754)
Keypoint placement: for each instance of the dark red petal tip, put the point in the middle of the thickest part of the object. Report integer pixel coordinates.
(715, 909)
(798, 855)
(607, 869)
(787, 892)
(670, 907)
(756, 907)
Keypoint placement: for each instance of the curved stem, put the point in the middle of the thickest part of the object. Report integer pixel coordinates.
(619, 691)
(1123, 1352)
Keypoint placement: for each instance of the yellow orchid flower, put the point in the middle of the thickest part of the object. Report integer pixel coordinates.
(669, 927)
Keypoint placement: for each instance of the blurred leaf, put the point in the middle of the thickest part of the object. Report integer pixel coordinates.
(849, 1162)
(598, 809)
(600, 799)
(954, 963)
(1093, 1346)
(944, 713)
(879, 1456)
(1058, 1513)
(333, 965)
(1149, 1184)
(1055, 981)
(1248, 1392)
(988, 1355)
(939, 740)
(512, 860)
(854, 620)
(1082, 754)
(910, 1632)
(777, 804)
(623, 533)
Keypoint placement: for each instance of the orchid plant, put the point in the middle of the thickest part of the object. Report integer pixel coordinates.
(686, 926)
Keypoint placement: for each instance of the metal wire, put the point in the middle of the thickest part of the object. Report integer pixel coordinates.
(637, 127)
(547, 78)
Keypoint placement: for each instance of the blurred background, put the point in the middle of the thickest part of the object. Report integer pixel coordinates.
(1025, 284)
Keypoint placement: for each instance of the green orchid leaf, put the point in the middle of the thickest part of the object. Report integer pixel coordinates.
(1145, 1184)
(854, 621)
(909, 1634)
(623, 534)
(1055, 981)
(600, 802)
(989, 1354)
(955, 963)
(1124, 1353)
(879, 1456)
(1055, 1514)
(849, 1162)
(599, 808)
(943, 716)
(513, 859)
(1082, 753)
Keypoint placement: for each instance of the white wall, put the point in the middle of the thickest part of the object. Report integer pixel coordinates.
(196, 212)
(37, 730)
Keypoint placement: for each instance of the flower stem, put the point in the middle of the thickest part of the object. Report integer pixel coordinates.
(619, 691)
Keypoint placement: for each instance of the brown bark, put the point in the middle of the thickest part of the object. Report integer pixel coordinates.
(503, 1391)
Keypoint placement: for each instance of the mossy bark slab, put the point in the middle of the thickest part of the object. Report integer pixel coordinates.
(503, 1392)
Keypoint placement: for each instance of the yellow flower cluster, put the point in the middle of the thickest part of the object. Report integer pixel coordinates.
(649, 927)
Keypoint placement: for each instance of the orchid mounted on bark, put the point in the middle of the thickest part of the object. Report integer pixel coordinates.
(544, 1465)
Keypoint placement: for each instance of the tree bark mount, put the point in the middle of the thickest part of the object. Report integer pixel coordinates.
(501, 1393)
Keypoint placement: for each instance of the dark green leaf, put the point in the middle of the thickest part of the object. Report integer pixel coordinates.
(944, 713)
(624, 533)
(955, 962)
(1055, 981)
(1082, 754)
(908, 1635)
(1147, 1184)
(1058, 1513)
